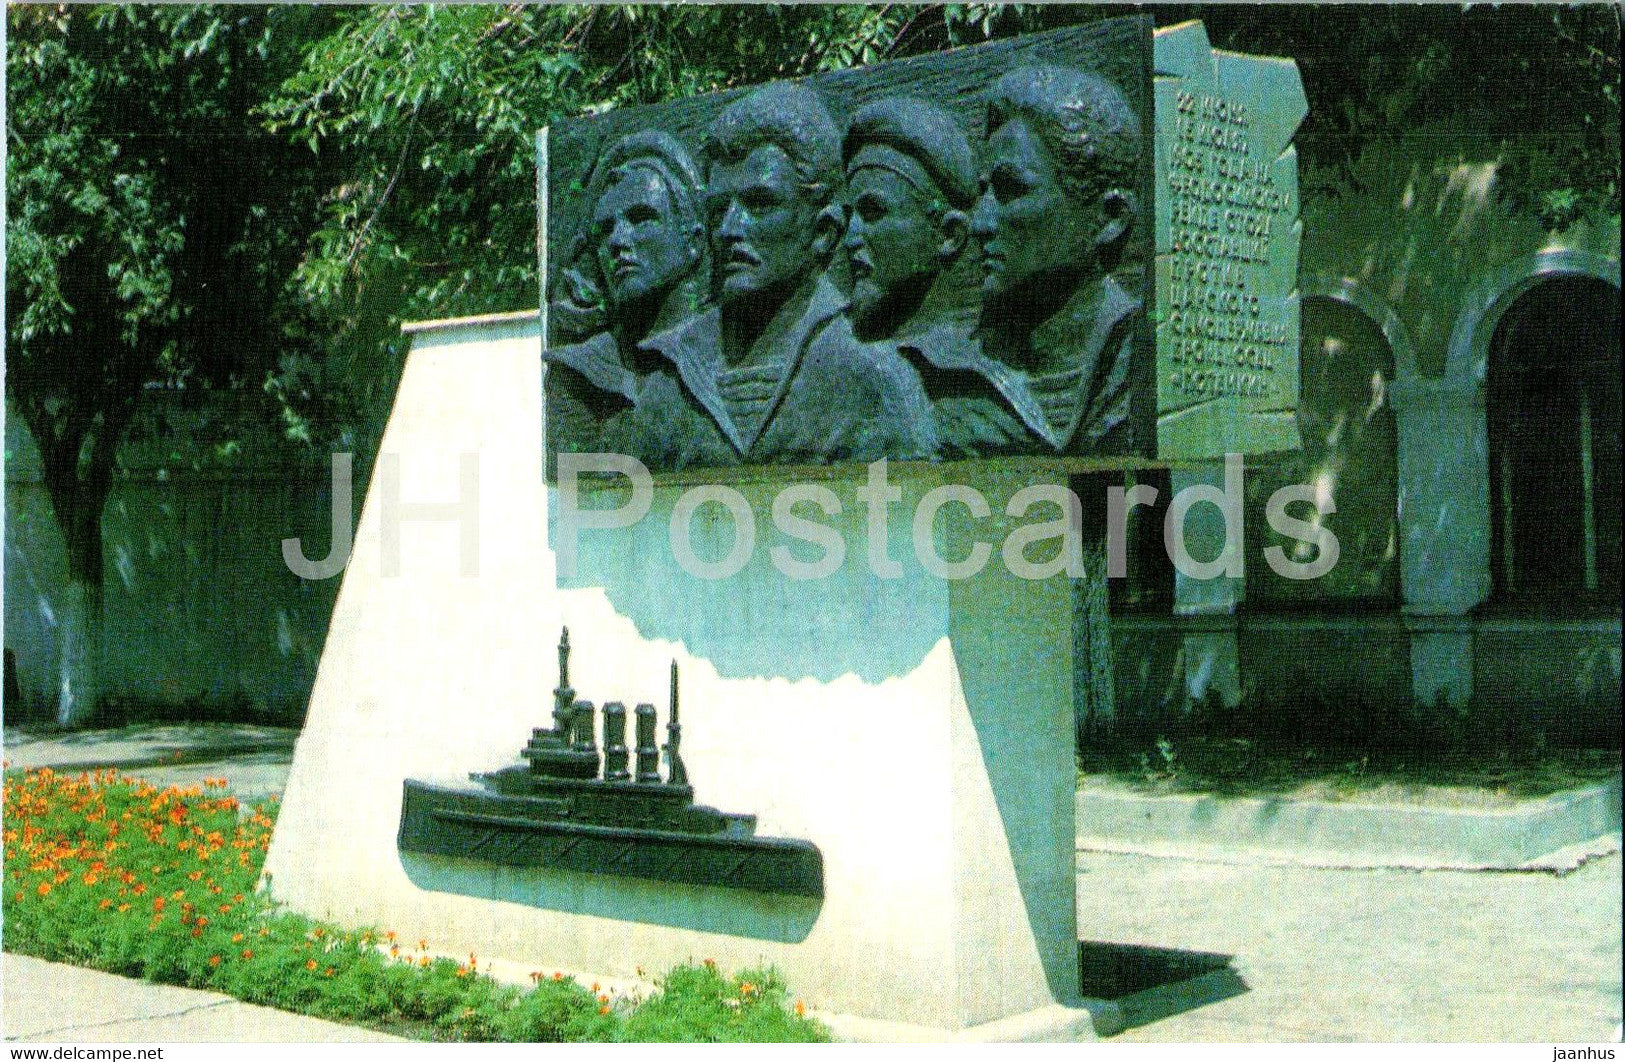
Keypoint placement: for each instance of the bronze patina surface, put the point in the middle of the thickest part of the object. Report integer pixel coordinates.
(568, 808)
(938, 258)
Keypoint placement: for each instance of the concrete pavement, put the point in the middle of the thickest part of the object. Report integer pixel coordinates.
(1191, 950)
(254, 758)
(1305, 953)
(47, 1002)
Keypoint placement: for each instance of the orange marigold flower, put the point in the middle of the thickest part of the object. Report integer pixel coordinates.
(123, 907)
(424, 961)
(248, 953)
(44, 888)
(197, 931)
(603, 1010)
(178, 894)
(327, 972)
(311, 965)
(801, 1009)
(214, 960)
(195, 875)
(603, 999)
(236, 938)
(105, 904)
(225, 908)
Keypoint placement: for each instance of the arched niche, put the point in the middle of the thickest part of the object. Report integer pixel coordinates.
(1552, 415)
(1352, 345)
(1488, 300)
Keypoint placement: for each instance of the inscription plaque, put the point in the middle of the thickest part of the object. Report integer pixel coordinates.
(1227, 237)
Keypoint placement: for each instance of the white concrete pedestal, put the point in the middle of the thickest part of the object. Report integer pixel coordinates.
(918, 730)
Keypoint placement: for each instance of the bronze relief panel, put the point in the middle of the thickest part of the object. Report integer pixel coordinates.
(932, 259)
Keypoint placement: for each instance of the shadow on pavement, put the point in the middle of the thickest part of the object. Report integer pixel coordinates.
(1149, 984)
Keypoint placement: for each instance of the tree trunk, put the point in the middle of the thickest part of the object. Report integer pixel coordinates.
(1094, 682)
(77, 459)
(1097, 700)
(79, 653)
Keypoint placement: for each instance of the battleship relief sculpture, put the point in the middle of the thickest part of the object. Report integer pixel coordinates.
(890, 285)
(603, 809)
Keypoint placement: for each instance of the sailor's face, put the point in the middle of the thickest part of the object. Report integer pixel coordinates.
(762, 224)
(892, 237)
(641, 244)
(1025, 223)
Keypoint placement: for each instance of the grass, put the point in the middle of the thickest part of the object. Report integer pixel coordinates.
(110, 872)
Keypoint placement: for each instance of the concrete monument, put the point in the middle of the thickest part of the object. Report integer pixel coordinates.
(798, 274)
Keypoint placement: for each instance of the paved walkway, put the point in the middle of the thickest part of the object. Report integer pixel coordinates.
(1365, 955)
(1193, 951)
(52, 1003)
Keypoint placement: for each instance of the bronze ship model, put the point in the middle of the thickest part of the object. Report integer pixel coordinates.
(575, 806)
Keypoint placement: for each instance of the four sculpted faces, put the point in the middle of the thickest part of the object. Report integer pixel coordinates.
(891, 292)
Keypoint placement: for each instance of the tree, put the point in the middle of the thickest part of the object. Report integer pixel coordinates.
(146, 209)
(1541, 82)
(426, 115)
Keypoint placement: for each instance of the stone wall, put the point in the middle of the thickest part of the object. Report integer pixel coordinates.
(203, 618)
(1419, 245)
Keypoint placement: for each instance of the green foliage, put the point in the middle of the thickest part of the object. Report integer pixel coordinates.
(144, 196)
(148, 221)
(1540, 82)
(110, 872)
(698, 1004)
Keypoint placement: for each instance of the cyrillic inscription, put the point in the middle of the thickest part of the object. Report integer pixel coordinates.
(1227, 212)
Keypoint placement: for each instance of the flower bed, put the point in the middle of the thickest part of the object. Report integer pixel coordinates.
(110, 872)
